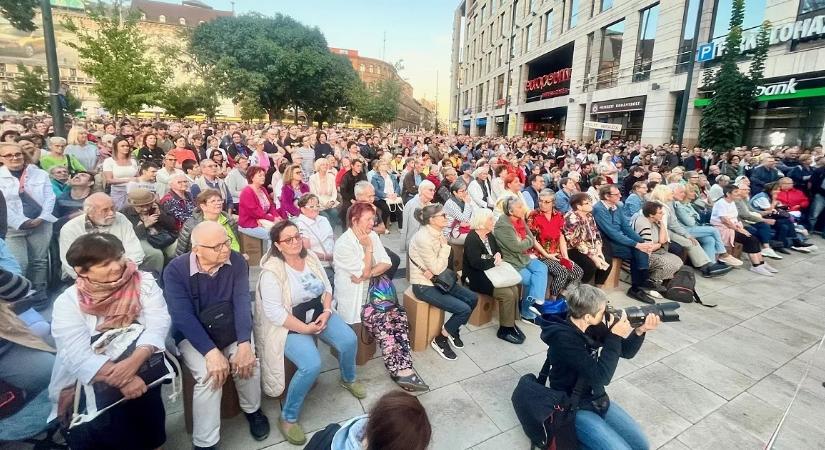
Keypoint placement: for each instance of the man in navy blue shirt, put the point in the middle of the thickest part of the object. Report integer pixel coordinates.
(625, 242)
(207, 276)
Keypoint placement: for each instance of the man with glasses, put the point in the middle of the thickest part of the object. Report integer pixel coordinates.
(212, 277)
(29, 201)
(625, 242)
(209, 180)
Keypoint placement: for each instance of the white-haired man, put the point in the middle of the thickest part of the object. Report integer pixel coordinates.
(426, 192)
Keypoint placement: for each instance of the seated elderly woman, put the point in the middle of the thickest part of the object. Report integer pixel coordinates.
(209, 207)
(585, 245)
(295, 305)
(546, 224)
(515, 241)
(322, 184)
(429, 253)
(360, 257)
(293, 188)
(109, 294)
(316, 231)
(636, 199)
(715, 192)
(725, 218)
(256, 210)
(481, 253)
(178, 202)
(772, 201)
(387, 193)
(651, 226)
(459, 209)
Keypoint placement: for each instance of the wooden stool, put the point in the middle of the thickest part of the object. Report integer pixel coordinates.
(253, 247)
(457, 251)
(483, 312)
(366, 345)
(736, 252)
(425, 321)
(612, 281)
(230, 406)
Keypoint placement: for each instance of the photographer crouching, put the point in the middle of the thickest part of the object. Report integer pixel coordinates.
(575, 357)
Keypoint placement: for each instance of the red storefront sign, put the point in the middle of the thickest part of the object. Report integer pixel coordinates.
(549, 80)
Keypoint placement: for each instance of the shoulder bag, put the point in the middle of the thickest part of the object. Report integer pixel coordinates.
(218, 320)
(444, 281)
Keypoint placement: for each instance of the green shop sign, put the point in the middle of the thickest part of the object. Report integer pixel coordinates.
(782, 91)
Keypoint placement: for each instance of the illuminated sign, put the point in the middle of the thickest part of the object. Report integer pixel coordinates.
(549, 80)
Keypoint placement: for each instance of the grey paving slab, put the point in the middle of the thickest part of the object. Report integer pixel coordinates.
(660, 423)
(716, 432)
(458, 421)
(798, 338)
(439, 372)
(715, 376)
(675, 391)
(328, 402)
(513, 438)
(747, 351)
(488, 351)
(492, 391)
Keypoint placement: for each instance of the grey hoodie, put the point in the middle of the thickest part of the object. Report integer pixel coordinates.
(351, 434)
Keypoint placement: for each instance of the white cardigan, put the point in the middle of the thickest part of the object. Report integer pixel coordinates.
(348, 260)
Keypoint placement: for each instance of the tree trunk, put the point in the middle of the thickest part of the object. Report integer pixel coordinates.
(272, 114)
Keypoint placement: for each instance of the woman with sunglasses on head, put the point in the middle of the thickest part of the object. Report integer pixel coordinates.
(293, 188)
(429, 254)
(295, 305)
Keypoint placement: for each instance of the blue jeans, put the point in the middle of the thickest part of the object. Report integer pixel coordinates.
(301, 350)
(31, 250)
(817, 206)
(616, 431)
(534, 278)
(639, 262)
(762, 231)
(460, 302)
(7, 261)
(710, 240)
(259, 233)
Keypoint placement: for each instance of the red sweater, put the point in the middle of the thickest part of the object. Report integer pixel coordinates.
(794, 199)
(250, 209)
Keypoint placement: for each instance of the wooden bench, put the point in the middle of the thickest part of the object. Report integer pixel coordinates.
(457, 252)
(230, 405)
(425, 321)
(483, 312)
(252, 247)
(366, 345)
(613, 278)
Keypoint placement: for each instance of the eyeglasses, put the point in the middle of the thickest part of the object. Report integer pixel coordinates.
(292, 240)
(613, 194)
(13, 156)
(226, 244)
(441, 214)
(547, 201)
(313, 206)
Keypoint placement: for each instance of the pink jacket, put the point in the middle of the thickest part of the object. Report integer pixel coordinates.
(250, 209)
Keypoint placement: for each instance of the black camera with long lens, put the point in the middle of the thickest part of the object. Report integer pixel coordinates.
(636, 314)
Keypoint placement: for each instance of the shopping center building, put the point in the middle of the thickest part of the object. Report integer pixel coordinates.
(602, 69)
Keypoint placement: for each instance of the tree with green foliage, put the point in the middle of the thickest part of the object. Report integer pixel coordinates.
(71, 103)
(722, 126)
(277, 61)
(179, 101)
(20, 13)
(114, 52)
(29, 92)
(378, 105)
(250, 109)
(334, 90)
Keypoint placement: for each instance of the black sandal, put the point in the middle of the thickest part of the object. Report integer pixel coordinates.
(411, 383)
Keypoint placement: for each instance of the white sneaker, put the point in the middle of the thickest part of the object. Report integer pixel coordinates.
(762, 270)
(538, 301)
(768, 252)
(770, 268)
(730, 260)
(801, 249)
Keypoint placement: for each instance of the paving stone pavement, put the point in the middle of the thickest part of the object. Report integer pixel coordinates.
(719, 379)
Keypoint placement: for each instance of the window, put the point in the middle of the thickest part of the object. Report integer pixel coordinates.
(605, 5)
(142, 16)
(483, 12)
(371, 68)
(754, 14)
(481, 41)
(808, 9)
(531, 6)
(72, 72)
(611, 54)
(490, 35)
(688, 27)
(2, 67)
(528, 38)
(182, 21)
(499, 87)
(548, 26)
(378, 70)
(574, 14)
(162, 18)
(498, 55)
(512, 48)
(644, 46)
(362, 67)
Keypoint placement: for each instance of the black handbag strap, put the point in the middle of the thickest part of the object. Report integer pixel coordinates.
(578, 389)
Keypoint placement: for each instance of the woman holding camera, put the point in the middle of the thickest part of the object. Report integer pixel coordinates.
(573, 341)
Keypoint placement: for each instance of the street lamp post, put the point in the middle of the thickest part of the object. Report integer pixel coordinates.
(680, 129)
(52, 68)
(509, 61)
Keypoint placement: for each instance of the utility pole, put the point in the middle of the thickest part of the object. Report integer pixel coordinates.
(680, 129)
(384, 47)
(436, 102)
(508, 79)
(52, 68)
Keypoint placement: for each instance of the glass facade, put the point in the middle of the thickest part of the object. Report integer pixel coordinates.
(687, 41)
(644, 47)
(574, 13)
(611, 55)
(754, 15)
(605, 5)
(548, 25)
(787, 122)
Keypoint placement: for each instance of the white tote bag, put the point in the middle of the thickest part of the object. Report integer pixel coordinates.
(503, 275)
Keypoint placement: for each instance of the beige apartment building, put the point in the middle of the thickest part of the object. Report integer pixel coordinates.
(607, 69)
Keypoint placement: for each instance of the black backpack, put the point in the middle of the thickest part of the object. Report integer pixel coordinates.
(547, 416)
(682, 287)
(322, 440)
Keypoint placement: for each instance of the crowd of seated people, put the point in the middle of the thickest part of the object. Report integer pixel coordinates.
(144, 226)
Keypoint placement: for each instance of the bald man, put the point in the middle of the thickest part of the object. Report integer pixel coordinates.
(207, 282)
(99, 216)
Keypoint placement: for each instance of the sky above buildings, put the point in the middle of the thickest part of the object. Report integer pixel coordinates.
(419, 32)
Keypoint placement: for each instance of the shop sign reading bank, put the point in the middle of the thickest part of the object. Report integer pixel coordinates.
(810, 28)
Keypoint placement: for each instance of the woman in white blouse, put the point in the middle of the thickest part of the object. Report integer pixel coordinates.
(322, 184)
(110, 293)
(315, 231)
(119, 170)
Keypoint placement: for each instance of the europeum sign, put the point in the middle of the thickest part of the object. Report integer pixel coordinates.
(810, 28)
(551, 81)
